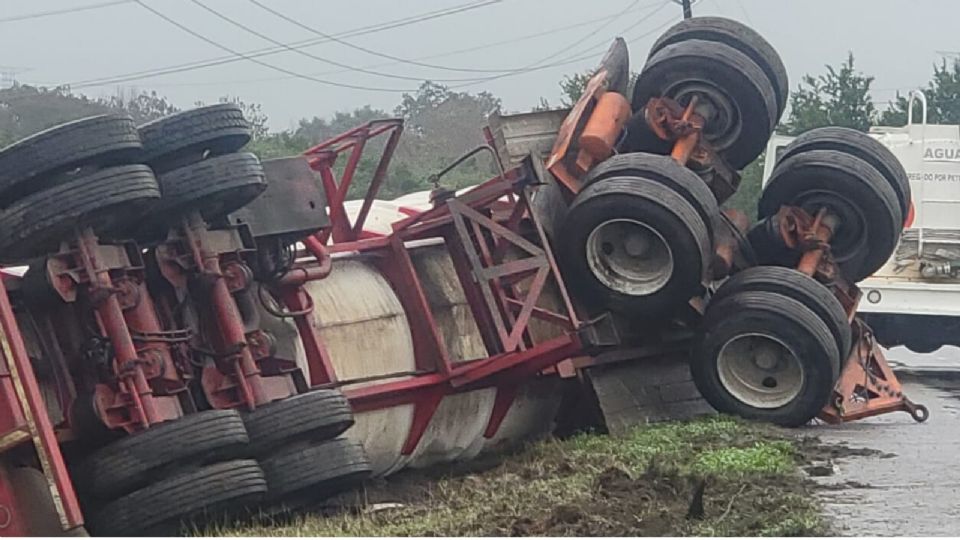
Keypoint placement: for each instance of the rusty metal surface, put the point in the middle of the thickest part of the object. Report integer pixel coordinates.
(868, 386)
(683, 127)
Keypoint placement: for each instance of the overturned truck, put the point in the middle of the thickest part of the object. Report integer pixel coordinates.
(188, 332)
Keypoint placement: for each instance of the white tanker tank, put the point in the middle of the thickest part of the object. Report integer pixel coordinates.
(362, 323)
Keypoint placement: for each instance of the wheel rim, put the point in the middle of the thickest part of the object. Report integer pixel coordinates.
(629, 256)
(850, 237)
(722, 122)
(760, 371)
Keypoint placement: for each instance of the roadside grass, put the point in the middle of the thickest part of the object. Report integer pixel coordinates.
(714, 476)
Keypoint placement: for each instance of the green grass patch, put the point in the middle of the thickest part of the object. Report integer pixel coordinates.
(761, 458)
(712, 476)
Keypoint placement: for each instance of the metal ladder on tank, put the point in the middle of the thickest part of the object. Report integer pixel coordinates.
(920, 199)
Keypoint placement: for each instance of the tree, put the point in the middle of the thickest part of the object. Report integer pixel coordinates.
(748, 193)
(441, 125)
(25, 109)
(840, 97)
(142, 106)
(573, 86)
(318, 129)
(943, 98)
(253, 112)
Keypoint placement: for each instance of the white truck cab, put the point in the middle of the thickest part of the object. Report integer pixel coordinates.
(914, 300)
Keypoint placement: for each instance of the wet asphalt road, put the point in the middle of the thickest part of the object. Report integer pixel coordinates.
(910, 486)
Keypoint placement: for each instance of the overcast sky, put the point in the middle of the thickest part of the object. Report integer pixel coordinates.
(894, 40)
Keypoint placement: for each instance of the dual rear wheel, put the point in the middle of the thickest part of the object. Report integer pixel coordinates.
(103, 173)
(853, 178)
(214, 464)
(773, 339)
(771, 346)
(638, 237)
(736, 77)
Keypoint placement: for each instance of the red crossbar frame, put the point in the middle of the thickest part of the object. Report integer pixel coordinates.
(478, 228)
(24, 420)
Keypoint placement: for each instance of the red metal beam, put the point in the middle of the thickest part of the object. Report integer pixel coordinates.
(429, 350)
(36, 417)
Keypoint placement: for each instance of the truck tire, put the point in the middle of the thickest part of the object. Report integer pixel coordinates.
(870, 218)
(186, 137)
(861, 145)
(764, 356)
(215, 187)
(40, 160)
(161, 508)
(315, 470)
(739, 36)
(107, 200)
(136, 460)
(736, 98)
(668, 172)
(798, 286)
(634, 246)
(316, 415)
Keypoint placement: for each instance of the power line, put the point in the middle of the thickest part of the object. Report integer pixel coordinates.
(396, 59)
(585, 37)
(251, 55)
(583, 55)
(454, 52)
(200, 64)
(746, 14)
(221, 16)
(352, 45)
(265, 37)
(119, 79)
(347, 67)
(268, 65)
(63, 11)
(599, 45)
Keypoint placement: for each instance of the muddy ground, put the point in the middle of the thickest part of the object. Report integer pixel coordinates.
(714, 476)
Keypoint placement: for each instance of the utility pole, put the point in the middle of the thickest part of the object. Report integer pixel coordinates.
(687, 7)
(8, 75)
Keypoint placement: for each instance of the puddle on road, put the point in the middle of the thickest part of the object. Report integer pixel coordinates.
(892, 476)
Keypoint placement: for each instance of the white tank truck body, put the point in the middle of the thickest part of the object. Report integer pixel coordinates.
(365, 329)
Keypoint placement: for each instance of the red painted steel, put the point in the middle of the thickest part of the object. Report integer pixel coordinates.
(477, 229)
(34, 413)
(131, 404)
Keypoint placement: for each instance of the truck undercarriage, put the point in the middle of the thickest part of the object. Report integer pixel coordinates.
(197, 333)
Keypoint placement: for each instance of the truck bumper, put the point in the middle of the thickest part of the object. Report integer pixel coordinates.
(881, 295)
